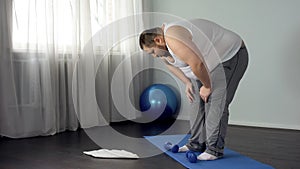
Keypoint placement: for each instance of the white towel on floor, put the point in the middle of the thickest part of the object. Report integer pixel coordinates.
(105, 153)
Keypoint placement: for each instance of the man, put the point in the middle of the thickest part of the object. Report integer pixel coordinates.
(213, 56)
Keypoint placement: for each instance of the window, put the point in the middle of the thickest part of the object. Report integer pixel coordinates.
(39, 23)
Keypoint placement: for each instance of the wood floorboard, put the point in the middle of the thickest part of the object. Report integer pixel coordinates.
(276, 147)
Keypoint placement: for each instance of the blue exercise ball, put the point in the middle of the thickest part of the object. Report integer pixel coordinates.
(158, 101)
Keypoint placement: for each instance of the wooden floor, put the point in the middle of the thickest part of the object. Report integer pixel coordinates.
(278, 148)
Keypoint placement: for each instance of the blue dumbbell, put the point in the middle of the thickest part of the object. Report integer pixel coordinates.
(191, 156)
(171, 147)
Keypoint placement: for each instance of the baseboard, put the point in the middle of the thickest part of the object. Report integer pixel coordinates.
(265, 125)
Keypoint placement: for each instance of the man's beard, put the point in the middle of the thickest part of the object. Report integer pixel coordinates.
(164, 52)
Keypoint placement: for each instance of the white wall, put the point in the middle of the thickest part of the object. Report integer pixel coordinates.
(269, 94)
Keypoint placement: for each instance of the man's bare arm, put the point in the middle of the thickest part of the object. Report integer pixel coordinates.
(180, 42)
(178, 73)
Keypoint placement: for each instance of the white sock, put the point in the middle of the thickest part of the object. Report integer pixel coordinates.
(183, 149)
(205, 156)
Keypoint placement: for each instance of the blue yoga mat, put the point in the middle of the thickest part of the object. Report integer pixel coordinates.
(231, 159)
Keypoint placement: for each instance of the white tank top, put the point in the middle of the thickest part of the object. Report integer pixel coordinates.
(215, 43)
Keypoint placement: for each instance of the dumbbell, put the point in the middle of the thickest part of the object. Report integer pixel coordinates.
(191, 156)
(171, 147)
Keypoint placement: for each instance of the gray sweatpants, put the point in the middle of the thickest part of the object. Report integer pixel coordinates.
(209, 127)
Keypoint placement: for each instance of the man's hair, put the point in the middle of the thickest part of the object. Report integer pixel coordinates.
(147, 37)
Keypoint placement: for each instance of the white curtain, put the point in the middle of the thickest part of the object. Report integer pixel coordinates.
(41, 42)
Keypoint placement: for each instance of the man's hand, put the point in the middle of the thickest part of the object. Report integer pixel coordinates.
(204, 93)
(189, 91)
